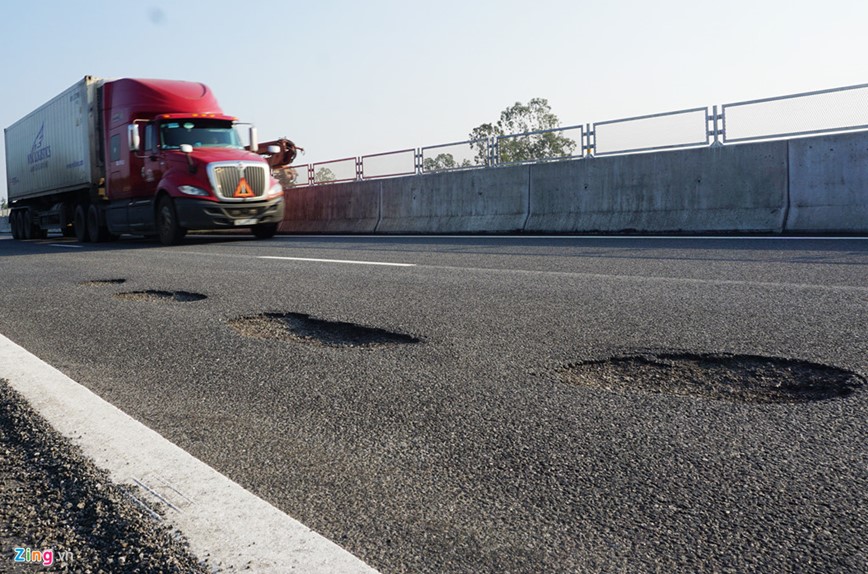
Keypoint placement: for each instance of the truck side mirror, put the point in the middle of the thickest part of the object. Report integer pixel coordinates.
(273, 149)
(133, 137)
(186, 148)
(254, 144)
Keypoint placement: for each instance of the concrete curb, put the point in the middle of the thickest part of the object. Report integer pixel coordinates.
(233, 528)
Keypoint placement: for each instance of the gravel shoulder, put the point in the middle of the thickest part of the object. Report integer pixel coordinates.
(54, 499)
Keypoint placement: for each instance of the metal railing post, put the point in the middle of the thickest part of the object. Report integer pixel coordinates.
(715, 127)
(591, 137)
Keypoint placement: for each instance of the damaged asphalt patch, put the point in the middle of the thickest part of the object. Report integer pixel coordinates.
(738, 378)
(154, 295)
(298, 327)
(53, 498)
(150, 295)
(102, 282)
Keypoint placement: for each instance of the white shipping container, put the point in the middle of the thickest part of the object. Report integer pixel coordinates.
(54, 148)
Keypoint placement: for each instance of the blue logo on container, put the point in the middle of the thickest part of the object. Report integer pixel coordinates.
(39, 151)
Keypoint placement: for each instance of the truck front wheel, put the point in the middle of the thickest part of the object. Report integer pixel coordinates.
(168, 229)
(264, 230)
(96, 233)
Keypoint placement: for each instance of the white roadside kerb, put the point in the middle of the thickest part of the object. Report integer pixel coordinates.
(222, 521)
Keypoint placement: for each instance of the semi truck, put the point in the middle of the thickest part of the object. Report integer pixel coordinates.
(138, 156)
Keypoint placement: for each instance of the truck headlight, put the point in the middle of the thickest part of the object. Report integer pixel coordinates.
(193, 190)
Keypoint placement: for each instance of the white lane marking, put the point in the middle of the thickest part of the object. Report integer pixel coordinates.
(337, 261)
(68, 245)
(235, 529)
(658, 279)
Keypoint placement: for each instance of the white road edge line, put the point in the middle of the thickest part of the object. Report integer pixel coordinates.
(337, 261)
(68, 246)
(235, 529)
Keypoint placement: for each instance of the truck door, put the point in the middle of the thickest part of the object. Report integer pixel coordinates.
(141, 207)
(118, 187)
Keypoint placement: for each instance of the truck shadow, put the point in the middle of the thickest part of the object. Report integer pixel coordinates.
(55, 243)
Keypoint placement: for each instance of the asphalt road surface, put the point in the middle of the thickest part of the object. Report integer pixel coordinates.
(427, 417)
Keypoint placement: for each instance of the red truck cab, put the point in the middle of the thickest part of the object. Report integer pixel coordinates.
(174, 161)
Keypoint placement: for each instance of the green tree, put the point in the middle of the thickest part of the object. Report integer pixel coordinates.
(442, 162)
(3, 204)
(324, 175)
(519, 119)
(287, 176)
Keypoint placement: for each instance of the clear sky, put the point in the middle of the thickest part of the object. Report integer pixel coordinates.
(345, 78)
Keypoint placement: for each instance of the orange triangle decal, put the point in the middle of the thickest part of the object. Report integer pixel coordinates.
(243, 189)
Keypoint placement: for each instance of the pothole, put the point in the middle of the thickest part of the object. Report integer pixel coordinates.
(99, 282)
(156, 295)
(738, 378)
(299, 327)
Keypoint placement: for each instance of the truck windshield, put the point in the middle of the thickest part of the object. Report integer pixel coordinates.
(199, 132)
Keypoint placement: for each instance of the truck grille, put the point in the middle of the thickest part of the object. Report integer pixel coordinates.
(226, 179)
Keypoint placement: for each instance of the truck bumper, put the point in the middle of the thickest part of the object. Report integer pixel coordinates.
(200, 214)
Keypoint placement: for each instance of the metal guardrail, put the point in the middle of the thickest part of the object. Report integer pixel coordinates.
(334, 171)
(670, 130)
(389, 164)
(809, 113)
(544, 145)
(468, 154)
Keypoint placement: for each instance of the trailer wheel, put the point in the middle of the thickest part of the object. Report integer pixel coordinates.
(79, 224)
(19, 220)
(13, 223)
(66, 225)
(27, 228)
(169, 231)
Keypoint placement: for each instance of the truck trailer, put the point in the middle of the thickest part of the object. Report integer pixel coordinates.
(147, 157)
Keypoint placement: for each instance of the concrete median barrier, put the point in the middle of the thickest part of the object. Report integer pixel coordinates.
(811, 185)
(720, 189)
(332, 208)
(829, 184)
(475, 201)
